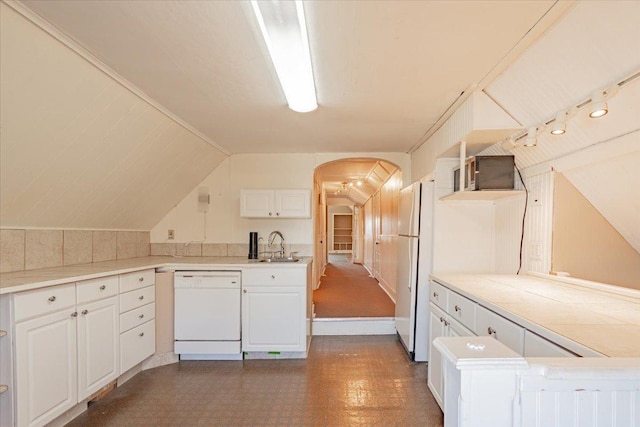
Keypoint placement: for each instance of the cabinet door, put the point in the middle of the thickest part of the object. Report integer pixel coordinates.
(98, 344)
(257, 203)
(273, 319)
(293, 203)
(437, 329)
(46, 367)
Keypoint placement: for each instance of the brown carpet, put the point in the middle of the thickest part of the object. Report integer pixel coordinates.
(346, 290)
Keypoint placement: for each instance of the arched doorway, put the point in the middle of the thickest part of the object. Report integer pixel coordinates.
(355, 220)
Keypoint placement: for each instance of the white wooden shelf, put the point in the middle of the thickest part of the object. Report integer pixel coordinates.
(482, 195)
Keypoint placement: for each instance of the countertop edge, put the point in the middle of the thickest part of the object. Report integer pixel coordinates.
(108, 268)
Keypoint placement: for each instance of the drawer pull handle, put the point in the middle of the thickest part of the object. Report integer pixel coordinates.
(141, 279)
(446, 323)
(435, 295)
(141, 297)
(441, 320)
(457, 308)
(270, 214)
(141, 316)
(52, 299)
(141, 334)
(491, 331)
(84, 312)
(74, 314)
(273, 277)
(103, 287)
(244, 290)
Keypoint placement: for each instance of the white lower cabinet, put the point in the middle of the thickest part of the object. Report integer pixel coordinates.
(441, 325)
(274, 310)
(273, 319)
(45, 367)
(68, 342)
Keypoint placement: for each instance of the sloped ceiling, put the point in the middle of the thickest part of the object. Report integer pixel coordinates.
(78, 149)
(594, 47)
(385, 71)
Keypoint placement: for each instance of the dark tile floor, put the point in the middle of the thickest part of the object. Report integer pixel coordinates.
(346, 381)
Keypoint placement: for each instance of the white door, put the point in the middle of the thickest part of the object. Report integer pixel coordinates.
(98, 345)
(46, 367)
(273, 319)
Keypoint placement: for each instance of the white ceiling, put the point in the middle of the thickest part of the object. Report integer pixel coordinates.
(385, 70)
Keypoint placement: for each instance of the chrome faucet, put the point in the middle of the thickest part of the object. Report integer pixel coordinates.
(272, 237)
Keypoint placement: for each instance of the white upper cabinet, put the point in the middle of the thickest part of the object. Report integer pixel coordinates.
(275, 203)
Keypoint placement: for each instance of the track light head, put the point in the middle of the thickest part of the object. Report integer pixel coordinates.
(559, 126)
(531, 140)
(599, 106)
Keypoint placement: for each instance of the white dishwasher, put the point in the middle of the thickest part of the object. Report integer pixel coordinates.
(207, 315)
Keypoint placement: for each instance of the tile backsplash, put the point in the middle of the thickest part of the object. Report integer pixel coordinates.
(224, 249)
(22, 249)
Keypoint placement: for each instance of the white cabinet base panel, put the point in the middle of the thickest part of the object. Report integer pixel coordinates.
(206, 347)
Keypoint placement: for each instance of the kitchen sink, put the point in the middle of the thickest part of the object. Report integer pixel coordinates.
(280, 260)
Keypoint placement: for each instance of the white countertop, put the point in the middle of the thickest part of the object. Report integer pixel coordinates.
(604, 321)
(33, 279)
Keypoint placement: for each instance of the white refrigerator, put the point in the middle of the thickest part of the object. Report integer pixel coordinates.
(415, 247)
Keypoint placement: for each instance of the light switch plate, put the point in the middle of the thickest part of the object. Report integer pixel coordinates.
(171, 235)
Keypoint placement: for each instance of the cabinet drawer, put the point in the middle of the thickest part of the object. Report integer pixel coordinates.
(438, 295)
(136, 345)
(91, 290)
(462, 309)
(137, 298)
(505, 331)
(536, 346)
(137, 280)
(274, 276)
(137, 317)
(42, 301)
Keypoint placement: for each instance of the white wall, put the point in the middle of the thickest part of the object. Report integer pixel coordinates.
(244, 171)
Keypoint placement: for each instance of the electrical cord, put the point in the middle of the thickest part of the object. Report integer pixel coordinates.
(524, 215)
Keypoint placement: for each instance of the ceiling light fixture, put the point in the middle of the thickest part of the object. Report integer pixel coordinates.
(284, 30)
(531, 140)
(598, 105)
(559, 124)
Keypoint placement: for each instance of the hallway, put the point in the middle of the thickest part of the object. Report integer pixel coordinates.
(347, 290)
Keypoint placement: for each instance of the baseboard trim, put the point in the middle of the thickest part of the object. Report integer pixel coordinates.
(354, 326)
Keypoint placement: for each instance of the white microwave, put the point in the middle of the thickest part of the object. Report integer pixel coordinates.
(486, 173)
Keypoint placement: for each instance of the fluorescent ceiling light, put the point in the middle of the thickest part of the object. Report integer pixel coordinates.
(284, 30)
